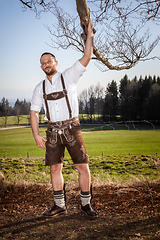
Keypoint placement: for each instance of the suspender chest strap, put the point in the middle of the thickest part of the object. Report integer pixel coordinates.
(66, 96)
(45, 100)
(56, 96)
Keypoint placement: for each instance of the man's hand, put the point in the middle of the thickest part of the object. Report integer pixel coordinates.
(40, 141)
(90, 27)
(34, 124)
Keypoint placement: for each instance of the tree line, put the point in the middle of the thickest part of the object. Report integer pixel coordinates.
(136, 99)
(20, 108)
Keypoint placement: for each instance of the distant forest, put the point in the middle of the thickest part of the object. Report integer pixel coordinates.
(135, 99)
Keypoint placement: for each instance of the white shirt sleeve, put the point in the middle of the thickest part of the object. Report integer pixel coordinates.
(75, 72)
(37, 98)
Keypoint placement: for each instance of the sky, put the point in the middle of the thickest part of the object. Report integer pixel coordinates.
(23, 38)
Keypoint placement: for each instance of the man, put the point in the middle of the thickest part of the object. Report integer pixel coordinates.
(58, 94)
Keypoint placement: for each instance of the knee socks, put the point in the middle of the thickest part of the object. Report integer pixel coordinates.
(85, 198)
(59, 198)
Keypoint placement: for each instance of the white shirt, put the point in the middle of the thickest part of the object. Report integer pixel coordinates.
(58, 109)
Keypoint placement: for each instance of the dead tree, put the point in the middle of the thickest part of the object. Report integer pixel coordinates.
(121, 36)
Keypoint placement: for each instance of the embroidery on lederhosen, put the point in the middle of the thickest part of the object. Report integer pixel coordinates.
(51, 136)
(83, 150)
(68, 136)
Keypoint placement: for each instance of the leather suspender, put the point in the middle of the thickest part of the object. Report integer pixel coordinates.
(56, 96)
(45, 99)
(66, 96)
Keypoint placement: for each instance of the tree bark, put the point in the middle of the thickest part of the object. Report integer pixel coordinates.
(84, 14)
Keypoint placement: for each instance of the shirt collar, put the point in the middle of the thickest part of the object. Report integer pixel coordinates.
(54, 78)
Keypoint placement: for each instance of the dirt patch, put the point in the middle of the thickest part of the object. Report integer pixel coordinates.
(125, 212)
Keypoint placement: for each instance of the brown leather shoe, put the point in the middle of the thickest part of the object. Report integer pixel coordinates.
(55, 211)
(89, 211)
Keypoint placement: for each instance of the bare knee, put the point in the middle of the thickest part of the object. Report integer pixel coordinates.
(56, 169)
(82, 168)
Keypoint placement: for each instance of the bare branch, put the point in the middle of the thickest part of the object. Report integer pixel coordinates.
(27, 4)
(143, 9)
(119, 42)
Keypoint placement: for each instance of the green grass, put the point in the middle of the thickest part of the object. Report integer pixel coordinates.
(126, 125)
(115, 155)
(124, 168)
(20, 143)
(112, 169)
(115, 142)
(12, 120)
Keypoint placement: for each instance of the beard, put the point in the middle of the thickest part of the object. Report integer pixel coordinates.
(49, 73)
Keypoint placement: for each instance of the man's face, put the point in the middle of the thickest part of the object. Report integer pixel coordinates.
(49, 64)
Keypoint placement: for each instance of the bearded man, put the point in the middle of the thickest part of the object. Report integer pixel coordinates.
(59, 96)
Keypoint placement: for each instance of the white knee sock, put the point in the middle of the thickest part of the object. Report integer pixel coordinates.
(85, 198)
(59, 198)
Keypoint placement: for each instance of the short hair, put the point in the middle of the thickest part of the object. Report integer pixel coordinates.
(47, 53)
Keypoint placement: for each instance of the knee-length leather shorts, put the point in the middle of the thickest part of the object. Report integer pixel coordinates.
(65, 136)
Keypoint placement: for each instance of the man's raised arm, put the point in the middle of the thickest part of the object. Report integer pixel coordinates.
(88, 51)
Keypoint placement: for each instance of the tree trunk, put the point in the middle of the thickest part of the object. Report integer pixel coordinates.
(84, 15)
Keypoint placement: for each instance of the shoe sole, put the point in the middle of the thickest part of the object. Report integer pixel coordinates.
(55, 215)
(89, 217)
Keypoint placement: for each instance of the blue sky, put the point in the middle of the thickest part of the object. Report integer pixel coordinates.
(24, 38)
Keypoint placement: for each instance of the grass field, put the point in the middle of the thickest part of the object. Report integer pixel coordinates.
(20, 143)
(13, 120)
(115, 155)
(111, 169)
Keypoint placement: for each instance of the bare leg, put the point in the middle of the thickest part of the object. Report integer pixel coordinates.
(84, 176)
(57, 184)
(57, 177)
(85, 184)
